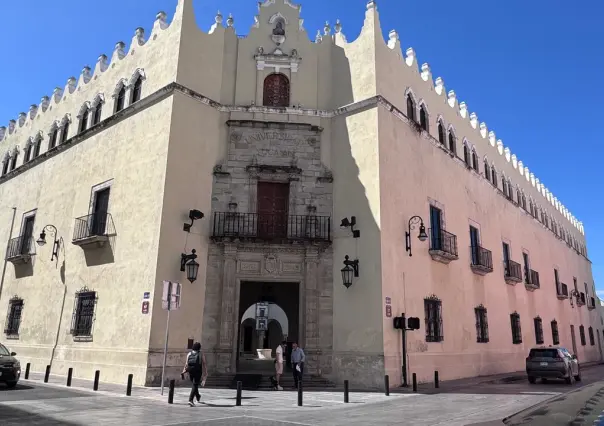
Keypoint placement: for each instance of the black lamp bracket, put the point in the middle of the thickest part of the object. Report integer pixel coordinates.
(414, 220)
(354, 264)
(351, 224)
(184, 258)
(52, 230)
(193, 215)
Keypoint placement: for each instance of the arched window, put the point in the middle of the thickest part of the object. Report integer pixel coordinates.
(504, 186)
(276, 91)
(37, 146)
(84, 112)
(13, 162)
(494, 176)
(98, 113)
(519, 197)
(27, 151)
(423, 118)
(137, 89)
(452, 144)
(466, 155)
(487, 170)
(120, 100)
(441, 133)
(474, 160)
(410, 108)
(524, 201)
(5, 164)
(54, 133)
(65, 132)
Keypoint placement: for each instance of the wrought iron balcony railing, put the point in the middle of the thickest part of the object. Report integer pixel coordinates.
(21, 249)
(271, 227)
(562, 291)
(531, 278)
(93, 228)
(443, 243)
(512, 271)
(482, 259)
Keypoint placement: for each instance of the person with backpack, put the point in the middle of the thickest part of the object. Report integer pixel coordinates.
(197, 368)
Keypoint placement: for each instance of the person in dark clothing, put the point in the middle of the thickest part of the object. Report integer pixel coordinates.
(197, 368)
(297, 358)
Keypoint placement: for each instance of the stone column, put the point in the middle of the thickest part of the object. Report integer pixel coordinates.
(311, 317)
(229, 308)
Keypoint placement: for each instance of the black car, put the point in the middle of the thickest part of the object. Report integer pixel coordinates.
(10, 368)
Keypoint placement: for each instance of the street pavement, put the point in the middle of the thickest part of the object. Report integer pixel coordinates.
(479, 402)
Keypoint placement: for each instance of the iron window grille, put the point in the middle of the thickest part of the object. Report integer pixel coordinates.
(482, 324)
(434, 319)
(13, 318)
(582, 335)
(83, 314)
(555, 334)
(590, 331)
(538, 330)
(516, 330)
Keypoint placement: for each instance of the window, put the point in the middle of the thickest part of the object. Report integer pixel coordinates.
(272, 209)
(582, 335)
(276, 91)
(523, 201)
(37, 146)
(436, 228)
(27, 152)
(504, 186)
(5, 165)
(441, 133)
(121, 99)
(482, 325)
(83, 313)
(452, 144)
(84, 119)
(410, 108)
(65, 132)
(423, 118)
(434, 321)
(516, 331)
(538, 330)
(475, 246)
(13, 161)
(494, 176)
(53, 138)
(557, 281)
(13, 319)
(98, 113)
(137, 89)
(474, 160)
(590, 331)
(466, 155)
(525, 259)
(555, 334)
(98, 224)
(487, 170)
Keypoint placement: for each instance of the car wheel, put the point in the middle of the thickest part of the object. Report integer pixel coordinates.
(544, 380)
(532, 380)
(11, 385)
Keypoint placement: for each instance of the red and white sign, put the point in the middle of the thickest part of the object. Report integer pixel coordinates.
(145, 307)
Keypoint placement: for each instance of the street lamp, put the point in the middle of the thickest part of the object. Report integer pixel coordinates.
(422, 232)
(57, 241)
(187, 263)
(349, 271)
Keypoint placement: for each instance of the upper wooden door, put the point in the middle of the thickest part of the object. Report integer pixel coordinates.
(273, 206)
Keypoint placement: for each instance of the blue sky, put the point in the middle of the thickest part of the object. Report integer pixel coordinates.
(530, 69)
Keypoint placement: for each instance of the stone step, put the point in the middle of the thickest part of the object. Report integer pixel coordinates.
(263, 382)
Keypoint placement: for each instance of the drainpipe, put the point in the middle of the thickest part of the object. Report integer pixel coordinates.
(7, 243)
(54, 348)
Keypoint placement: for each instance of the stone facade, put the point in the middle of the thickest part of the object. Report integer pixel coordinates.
(335, 129)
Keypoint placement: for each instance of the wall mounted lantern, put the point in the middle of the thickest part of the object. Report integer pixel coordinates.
(187, 263)
(57, 241)
(349, 271)
(193, 215)
(351, 224)
(422, 232)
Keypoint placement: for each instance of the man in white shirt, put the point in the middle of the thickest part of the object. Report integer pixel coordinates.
(279, 363)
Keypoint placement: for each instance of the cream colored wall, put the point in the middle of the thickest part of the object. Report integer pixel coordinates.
(417, 170)
(193, 152)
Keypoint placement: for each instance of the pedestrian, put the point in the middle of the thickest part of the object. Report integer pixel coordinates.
(198, 372)
(279, 363)
(297, 358)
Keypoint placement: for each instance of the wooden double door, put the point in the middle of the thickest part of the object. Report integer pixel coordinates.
(273, 209)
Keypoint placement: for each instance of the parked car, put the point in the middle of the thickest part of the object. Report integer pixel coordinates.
(10, 368)
(552, 362)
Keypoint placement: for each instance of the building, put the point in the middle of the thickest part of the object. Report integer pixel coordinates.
(279, 140)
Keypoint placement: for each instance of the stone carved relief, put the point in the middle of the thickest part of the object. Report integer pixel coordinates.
(249, 267)
(270, 263)
(278, 36)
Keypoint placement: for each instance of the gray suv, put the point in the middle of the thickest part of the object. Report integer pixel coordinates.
(552, 362)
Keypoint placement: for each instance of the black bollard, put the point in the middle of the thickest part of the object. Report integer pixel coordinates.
(436, 384)
(129, 386)
(27, 371)
(414, 382)
(238, 399)
(97, 374)
(346, 391)
(47, 374)
(171, 392)
(387, 384)
(69, 374)
(300, 394)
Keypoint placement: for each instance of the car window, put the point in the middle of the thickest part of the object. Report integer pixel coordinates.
(543, 353)
(3, 350)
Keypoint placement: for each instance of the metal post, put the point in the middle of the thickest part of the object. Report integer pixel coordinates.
(163, 368)
(129, 386)
(436, 384)
(7, 244)
(238, 399)
(27, 370)
(346, 400)
(171, 392)
(47, 374)
(404, 320)
(300, 395)
(387, 384)
(97, 375)
(69, 374)
(414, 382)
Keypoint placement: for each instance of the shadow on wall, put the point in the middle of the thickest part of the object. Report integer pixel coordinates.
(23, 270)
(101, 254)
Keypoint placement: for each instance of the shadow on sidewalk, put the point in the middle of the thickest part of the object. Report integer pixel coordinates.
(10, 415)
